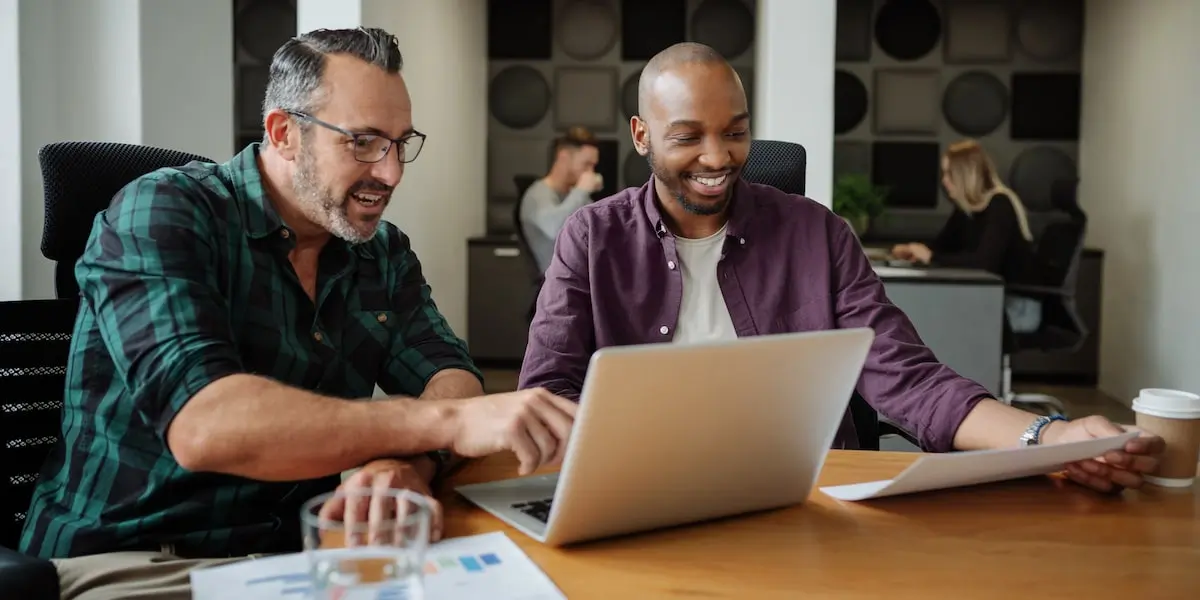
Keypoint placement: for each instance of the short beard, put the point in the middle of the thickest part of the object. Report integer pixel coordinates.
(675, 185)
(318, 203)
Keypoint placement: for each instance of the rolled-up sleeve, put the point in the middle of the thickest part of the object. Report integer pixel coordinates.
(901, 378)
(561, 337)
(148, 274)
(426, 344)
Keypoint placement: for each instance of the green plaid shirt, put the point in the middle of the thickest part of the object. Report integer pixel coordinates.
(186, 279)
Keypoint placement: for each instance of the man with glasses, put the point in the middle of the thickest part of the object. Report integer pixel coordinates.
(234, 322)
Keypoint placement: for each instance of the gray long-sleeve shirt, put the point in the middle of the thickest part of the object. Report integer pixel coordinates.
(543, 212)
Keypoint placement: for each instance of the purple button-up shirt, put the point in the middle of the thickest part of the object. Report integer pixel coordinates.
(788, 265)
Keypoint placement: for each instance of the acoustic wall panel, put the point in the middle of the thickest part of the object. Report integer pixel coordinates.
(262, 26)
(849, 101)
(509, 157)
(606, 167)
(906, 101)
(726, 25)
(587, 29)
(1051, 31)
(746, 75)
(853, 41)
(910, 170)
(851, 158)
(907, 29)
(629, 94)
(519, 97)
(649, 27)
(519, 30)
(637, 169)
(978, 31)
(587, 97)
(1045, 106)
(975, 103)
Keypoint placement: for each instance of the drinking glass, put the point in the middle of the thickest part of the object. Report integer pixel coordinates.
(367, 543)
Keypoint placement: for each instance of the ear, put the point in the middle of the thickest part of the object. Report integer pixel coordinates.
(640, 134)
(283, 134)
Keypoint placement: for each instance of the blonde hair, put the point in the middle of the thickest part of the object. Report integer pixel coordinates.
(976, 181)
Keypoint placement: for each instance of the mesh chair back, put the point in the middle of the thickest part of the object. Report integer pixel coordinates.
(80, 179)
(780, 165)
(35, 340)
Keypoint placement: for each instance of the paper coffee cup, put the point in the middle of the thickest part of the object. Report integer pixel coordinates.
(1174, 416)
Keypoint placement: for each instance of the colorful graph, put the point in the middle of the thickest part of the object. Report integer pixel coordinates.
(469, 563)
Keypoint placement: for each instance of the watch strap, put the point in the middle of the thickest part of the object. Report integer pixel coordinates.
(1033, 434)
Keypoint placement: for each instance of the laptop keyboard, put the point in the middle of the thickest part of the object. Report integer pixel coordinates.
(538, 509)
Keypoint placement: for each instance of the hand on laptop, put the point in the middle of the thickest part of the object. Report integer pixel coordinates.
(1115, 470)
(534, 424)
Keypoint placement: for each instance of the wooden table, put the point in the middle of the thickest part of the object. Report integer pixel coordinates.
(1038, 538)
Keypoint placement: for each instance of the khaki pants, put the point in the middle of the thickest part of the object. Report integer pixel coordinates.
(134, 575)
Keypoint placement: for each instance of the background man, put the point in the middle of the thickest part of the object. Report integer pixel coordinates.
(569, 185)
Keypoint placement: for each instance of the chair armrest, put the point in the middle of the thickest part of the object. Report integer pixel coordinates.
(27, 577)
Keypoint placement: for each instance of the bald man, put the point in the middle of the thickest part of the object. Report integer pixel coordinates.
(697, 254)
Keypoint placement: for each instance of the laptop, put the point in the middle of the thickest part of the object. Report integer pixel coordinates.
(670, 434)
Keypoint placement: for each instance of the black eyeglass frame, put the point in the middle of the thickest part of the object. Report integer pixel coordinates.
(357, 136)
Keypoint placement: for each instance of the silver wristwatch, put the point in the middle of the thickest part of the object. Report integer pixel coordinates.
(1033, 434)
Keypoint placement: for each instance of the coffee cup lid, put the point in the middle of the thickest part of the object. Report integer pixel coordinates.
(1168, 404)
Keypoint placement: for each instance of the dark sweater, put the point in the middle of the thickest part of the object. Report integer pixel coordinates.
(990, 240)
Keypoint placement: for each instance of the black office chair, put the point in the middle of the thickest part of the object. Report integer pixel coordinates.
(536, 276)
(1052, 281)
(80, 180)
(35, 337)
(782, 165)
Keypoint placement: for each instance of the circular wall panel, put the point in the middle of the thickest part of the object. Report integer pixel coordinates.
(636, 169)
(907, 29)
(1034, 172)
(519, 97)
(975, 103)
(726, 25)
(264, 25)
(849, 101)
(587, 29)
(1049, 30)
(629, 95)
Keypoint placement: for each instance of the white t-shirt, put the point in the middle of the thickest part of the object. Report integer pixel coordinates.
(703, 316)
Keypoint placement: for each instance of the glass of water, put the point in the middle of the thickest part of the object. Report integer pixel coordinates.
(367, 543)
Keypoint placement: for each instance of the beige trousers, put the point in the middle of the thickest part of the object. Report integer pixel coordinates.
(134, 575)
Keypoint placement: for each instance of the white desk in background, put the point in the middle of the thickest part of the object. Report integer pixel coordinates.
(959, 314)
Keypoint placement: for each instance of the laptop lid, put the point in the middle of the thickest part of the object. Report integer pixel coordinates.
(670, 434)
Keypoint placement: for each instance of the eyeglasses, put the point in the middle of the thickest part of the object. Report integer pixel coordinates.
(371, 147)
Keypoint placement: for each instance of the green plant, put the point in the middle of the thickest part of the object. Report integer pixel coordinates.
(857, 200)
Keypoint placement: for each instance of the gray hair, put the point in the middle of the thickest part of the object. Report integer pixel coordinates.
(299, 64)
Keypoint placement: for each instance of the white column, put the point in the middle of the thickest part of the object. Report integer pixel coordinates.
(441, 201)
(110, 70)
(10, 153)
(794, 63)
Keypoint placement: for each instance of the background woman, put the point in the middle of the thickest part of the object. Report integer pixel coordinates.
(988, 229)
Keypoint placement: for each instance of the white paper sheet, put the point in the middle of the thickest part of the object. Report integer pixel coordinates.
(482, 566)
(957, 469)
